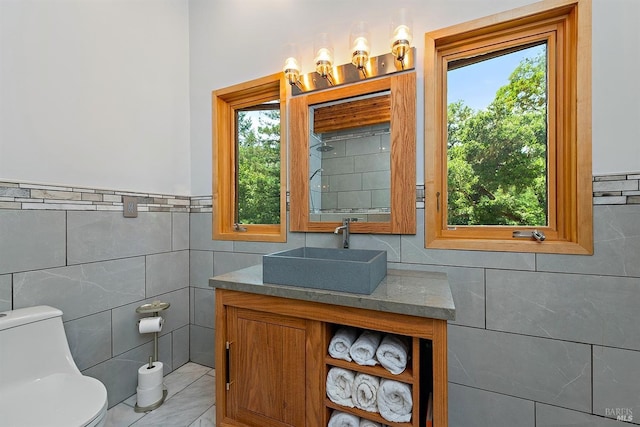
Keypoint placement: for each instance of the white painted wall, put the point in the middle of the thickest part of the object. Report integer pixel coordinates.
(234, 41)
(616, 86)
(117, 93)
(95, 93)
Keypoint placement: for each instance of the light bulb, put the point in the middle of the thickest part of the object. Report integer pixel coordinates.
(401, 35)
(291, 67)
(324, 55)
(401, 41)
(291, 70)
(359, 42)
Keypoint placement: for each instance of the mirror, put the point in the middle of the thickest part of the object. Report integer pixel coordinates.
(350, 163)
(353, 156)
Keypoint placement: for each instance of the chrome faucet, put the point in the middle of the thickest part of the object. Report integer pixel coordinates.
(345, 231)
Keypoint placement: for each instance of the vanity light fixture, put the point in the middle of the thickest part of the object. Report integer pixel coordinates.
(401, 35)
(324, 57)
(362, 66)
(360, 48)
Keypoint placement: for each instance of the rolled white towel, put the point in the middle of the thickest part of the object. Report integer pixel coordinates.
(341, 343)
(342, 419)
(369, 423)
(392, 353)
(394, 401)
(363, 350)
(339, 386)
(365, 391)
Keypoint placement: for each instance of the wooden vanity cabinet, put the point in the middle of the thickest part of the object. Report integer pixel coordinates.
(272, 360)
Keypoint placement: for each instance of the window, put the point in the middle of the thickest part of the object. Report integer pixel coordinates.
(509, 168)
(249, 161)
(497, 139)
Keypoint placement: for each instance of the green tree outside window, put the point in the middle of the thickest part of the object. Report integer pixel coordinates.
(258, 183)
(497, 156)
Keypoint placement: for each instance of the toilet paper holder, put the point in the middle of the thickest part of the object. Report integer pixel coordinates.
(153, 308)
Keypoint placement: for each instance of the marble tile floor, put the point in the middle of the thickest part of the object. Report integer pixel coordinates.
(190, 402)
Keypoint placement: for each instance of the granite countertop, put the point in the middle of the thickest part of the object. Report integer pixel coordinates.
(417, 293)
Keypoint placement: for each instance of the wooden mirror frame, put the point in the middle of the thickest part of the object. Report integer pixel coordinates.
(402, 88)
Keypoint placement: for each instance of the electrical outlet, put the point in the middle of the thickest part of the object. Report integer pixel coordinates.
(130, 206)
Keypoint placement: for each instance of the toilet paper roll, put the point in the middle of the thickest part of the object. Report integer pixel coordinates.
(150, 324)
(148, 397)
(150, 378)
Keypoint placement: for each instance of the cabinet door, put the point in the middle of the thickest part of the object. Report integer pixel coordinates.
(266, 368)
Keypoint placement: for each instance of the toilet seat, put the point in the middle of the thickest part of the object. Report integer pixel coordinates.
(58, 400)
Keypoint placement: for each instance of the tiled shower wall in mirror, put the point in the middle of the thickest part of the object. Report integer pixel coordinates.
(351, 174)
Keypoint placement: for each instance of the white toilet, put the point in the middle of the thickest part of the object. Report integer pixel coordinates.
(40, 384)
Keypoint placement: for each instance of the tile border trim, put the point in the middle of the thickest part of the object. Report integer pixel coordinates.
(616, 189)
(25, 196)
(612, 189)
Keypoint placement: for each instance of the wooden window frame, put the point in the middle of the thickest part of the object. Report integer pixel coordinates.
(566, 26)
(225, 102)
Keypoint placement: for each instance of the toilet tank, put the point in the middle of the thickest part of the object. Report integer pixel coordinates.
(33, 345)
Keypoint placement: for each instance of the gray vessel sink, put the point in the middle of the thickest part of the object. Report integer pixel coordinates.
(358, 271)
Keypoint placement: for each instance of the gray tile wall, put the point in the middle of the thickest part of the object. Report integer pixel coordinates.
(488, 409)
(539, 340)
(559, 331)
(97, 267)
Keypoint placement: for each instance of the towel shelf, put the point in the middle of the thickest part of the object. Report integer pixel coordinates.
(378, 371)
(364, 414)
(419, 359)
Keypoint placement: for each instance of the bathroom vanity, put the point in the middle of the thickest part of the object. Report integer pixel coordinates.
(272, 346)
